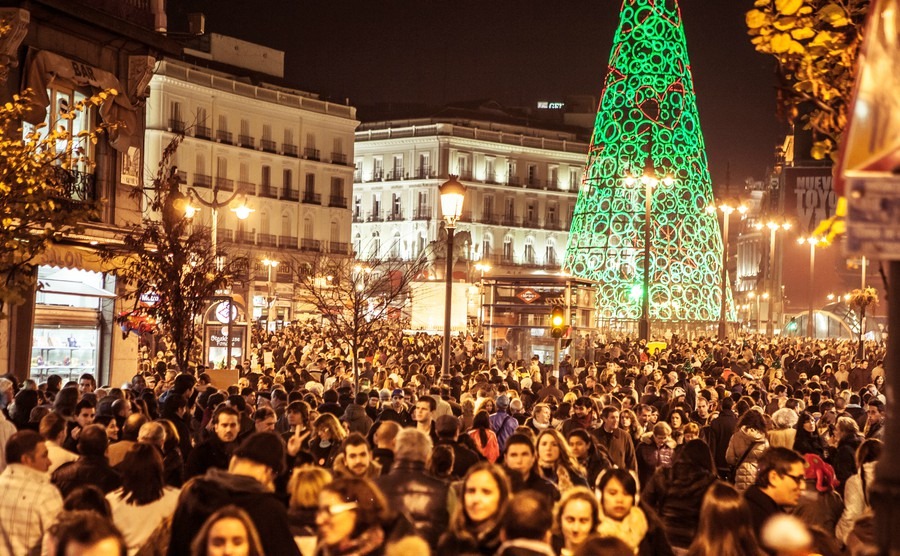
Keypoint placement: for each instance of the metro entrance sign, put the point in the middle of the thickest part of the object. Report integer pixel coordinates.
(528, 295)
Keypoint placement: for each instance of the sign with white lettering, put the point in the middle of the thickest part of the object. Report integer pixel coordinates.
(809, 196)
(873, 216)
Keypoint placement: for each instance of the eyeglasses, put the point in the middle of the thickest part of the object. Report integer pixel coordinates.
(797, 478)
(336, 509)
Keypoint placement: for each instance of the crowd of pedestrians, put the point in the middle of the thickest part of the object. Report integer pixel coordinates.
(744, 447)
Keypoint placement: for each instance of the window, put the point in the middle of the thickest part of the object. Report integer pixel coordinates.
(532, 174)
(424, 169)
(287, 179)
(397, 171)
(337, 189)
(77, 154)
(288, 136)
(308, 228)
(357, 206)
(375, 246)
(462, 166)
(200, 164)
(310, 141)
(378, 165)
(551, 215)
(529, 212)
(357, 244)
(376, 205)
(396, 206)
(267, 132)
(395, 246)
(485, 247)
(202, 117)
(554, 176)
(529, 250)
(266, 177)
(335, 232)
(507, 249)
(510, 208)
(310, 183)
(422, 204)
(512, 173)
(550, 255)
(337, 146)
(286, 225)
(488, 210)
(264, 222)
(489, 172)
(176, 120)
(574, 177)
(222, 167)
(223, 123)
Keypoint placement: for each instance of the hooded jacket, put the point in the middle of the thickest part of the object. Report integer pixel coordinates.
(745, 474)
(357, 420)
(204, 495)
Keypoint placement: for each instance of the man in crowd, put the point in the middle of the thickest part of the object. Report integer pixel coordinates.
(502, 423)
(423, 416)
(617, 442)
(875, 419)
(718, 434)
(521, 462)
(249, 484)
(408, 487)
(92, 468)
(780, 479)
(130, 431)
(355, 459)
(53, 430)
(215, 452)
(384, 440)
(527, 530)
(29, 503)
(447, 428)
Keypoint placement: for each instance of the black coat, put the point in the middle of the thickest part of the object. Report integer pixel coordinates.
(421, 497)
(86, 470)
(719, 434)
(762, 507)
(676, 495)
(209, 454)
(204, 495)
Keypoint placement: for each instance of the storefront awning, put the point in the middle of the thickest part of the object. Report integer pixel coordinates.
(65, 287)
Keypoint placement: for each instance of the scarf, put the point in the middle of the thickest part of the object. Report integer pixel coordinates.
(369, 541)
(630, 530)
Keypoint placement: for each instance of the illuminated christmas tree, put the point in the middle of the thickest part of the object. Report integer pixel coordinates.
(647, 125)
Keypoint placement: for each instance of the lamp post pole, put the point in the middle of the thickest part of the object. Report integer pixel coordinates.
(773, 227)
(452, 195)
(810, 314)
(242, 212)
(727, 210)
(644, 324)
(481, 267)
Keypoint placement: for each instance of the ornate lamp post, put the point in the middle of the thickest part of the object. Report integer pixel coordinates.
(727, 210)
(242, 211)
(482, 267)
(452, 195)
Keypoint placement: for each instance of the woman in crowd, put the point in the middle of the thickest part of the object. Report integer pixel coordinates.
(475, 525)
(351, 518)
(819, 506)
(111, 426)
(676, 493)
(622, 517)
(484, 438)
(540, 418)
(725, 527)
(144, 502)
(304, 488)
(326, 444)
(807, 440)
(856, 491)
(173, 459)
(556, 462)
(745, 448)
(677, 419)
(628, 422)
(229, 531)
(591, 457)
(846, 440)
(575, 519)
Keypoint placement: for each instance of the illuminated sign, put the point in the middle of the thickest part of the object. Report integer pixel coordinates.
(547, 105)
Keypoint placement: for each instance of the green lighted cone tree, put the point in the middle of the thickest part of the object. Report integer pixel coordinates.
(647, 123)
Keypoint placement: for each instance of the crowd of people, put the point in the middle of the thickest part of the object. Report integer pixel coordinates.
(743, 447)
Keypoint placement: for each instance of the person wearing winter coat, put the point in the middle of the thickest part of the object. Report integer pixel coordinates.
(807, 439)
(856, 491)
(847, 439)
(819, 505)
(623, 518)
(676, 493)
(356, 417)
(656, 451)
(746, 447)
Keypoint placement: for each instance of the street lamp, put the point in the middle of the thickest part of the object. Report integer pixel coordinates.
(452, 195)
(649, 182)
(242, 211)
(773, 227)
(812, 241)
(481, 266)
(727, 210)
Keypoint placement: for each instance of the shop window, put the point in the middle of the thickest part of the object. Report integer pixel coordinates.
(76, 154)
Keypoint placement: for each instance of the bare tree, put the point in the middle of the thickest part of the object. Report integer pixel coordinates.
(359, 298)
(171, 261)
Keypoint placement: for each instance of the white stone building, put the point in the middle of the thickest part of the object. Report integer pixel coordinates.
(522, 184)
(288, 151)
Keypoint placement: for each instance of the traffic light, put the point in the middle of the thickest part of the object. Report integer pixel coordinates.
(557, 322)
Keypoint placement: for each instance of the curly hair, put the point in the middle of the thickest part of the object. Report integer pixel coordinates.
(566, 459)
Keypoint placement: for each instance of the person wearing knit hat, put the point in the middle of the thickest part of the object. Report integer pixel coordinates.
(249, 485)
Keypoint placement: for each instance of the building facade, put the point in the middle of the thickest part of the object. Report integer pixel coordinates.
(67, 50)
(521, 182)
(283, 152)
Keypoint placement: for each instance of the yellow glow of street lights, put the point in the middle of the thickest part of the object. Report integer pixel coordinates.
(190, 210)
(557, 320)
(482, 266)
(270, 263)
(242, 211)
(765, 295)
(452, 194)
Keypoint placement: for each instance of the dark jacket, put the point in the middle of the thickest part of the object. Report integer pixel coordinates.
(535, 482)
(463, 457)
(654, 542)
(618, 444)
(202, 496)
(719, 434)
(385, 458)
(423, 498)
(844, 460)
(485, 544)
(209, 454)
(762, 507)
(184, 432)
(676, 495)
(86, 470)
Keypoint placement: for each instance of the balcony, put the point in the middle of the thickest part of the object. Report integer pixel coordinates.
(289, 242)
(245, 237)
(358, 218)
(288, 194)
(246, 141)
(225, 184)
(339, 158)
(339, 247)
(289, 150)
(310, 245)
(203, 132)
(513, 180)
(176, 126)
(378, 175)
(422, 172)
(395, 216)
(533, 183)
(266, 190)
(375, 216)
(509, 220)
(422, 213)
(225, 235)
(396, 174)
(337, 201)
(311, 154)
(493, 219)
(268, 145)
(223, 136)
(246, 187)
(202, 180)
(465, 175)
(311, 198)
(267, 240)
(357, 176)
(78, 186)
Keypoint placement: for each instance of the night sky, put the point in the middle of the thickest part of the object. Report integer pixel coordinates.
(514, 52)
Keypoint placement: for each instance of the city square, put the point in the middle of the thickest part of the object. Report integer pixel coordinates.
(606, 278)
